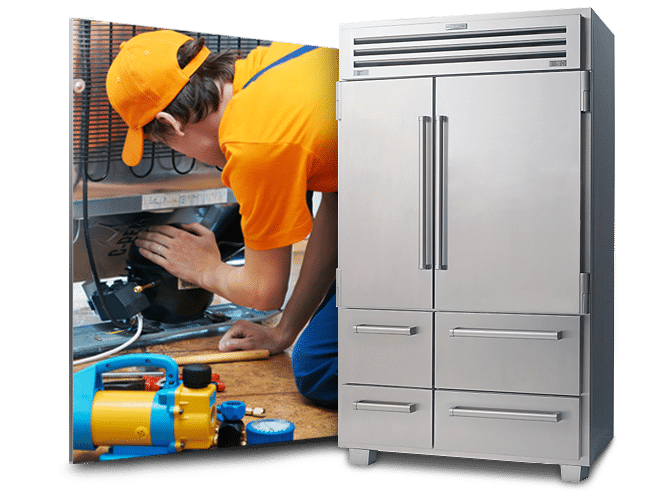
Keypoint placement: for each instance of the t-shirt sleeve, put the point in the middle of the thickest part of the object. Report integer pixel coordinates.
(270, 185)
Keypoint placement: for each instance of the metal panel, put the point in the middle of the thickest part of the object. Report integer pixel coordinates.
(602, 262)
(374, 416)
(512, 425)
(512, 164)
(390, 348)
(508, 353)
(382, 154)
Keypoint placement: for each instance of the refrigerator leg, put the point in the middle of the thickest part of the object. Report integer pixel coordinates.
(574, 473)
(362, 457)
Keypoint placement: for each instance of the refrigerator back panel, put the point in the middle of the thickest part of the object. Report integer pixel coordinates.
(120, 199)
(97, 132)
(426, 48)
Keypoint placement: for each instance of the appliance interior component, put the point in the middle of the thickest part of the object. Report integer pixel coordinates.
(171, 300)
(121, 298)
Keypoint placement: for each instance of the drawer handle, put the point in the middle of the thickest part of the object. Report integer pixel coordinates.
(505, 334)
(536, 416)
(386, 330)
(385, 406)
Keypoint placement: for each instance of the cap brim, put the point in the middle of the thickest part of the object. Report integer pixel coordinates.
(133, 148)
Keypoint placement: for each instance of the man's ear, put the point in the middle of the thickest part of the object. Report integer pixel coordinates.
(172, 121)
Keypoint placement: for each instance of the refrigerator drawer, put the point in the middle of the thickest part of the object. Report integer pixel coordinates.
(504, 424)
(392, 348)
(508, 353)
(373, 416)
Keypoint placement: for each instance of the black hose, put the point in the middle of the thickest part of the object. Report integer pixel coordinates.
(90, 255)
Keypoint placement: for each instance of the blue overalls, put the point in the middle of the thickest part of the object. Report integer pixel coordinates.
(315, 355)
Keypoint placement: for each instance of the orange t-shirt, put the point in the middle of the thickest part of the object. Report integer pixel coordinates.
(279, 136)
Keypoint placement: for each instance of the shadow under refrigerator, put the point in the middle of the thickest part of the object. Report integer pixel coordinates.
(476, 238)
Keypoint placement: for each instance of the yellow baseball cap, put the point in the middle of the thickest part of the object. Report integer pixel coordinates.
(143, 79)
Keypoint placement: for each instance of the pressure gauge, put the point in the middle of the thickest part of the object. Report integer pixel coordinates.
(269, 431)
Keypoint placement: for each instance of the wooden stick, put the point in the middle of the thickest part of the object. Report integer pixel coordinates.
(223, 357)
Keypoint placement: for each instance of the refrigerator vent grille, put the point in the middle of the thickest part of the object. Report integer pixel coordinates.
(421, 48)
(461, 48)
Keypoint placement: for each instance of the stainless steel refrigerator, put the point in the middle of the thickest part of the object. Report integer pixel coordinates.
(476, 237)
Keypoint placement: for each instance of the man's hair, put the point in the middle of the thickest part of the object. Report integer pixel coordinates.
(201, 96)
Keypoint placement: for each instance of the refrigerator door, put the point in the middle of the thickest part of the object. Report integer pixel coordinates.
(509, 195)
(385, 190)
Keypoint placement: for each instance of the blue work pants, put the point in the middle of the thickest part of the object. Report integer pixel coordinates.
(315, 356)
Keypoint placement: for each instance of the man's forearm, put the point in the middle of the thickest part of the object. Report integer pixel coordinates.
(260, 284)
(317, 272)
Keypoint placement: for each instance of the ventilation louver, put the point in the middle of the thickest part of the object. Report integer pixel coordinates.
(502, 45)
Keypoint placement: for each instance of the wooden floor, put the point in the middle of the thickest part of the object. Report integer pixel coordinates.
(267, 383)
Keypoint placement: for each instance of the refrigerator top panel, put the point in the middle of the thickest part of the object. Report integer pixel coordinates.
(433, 47)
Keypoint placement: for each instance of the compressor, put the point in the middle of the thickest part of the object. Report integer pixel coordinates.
(180, 416)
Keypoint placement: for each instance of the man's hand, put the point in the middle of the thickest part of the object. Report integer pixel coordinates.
(192, 255)
(188, 253)
(245, 336)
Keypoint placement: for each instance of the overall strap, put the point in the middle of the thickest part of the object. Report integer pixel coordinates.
(302, 50)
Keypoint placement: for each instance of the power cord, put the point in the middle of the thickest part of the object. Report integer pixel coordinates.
(92, 359)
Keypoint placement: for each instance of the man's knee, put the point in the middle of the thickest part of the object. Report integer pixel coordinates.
(323, 392)
(315, 356)
(316, 378)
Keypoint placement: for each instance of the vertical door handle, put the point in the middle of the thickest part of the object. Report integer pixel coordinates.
(425, 183)
(441, 184)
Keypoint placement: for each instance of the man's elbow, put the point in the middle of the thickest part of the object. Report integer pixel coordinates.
(268, 304)
(270, 298)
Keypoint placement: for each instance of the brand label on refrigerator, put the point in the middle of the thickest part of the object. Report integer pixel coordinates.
(160, 201)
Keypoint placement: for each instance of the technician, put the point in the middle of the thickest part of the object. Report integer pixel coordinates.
(269, 121)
